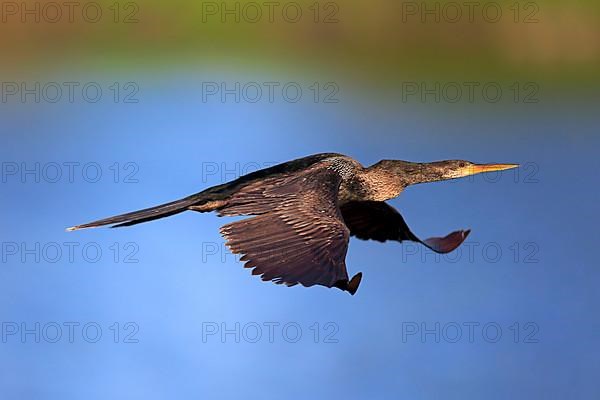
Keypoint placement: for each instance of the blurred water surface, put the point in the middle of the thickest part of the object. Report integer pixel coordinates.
(528, 267)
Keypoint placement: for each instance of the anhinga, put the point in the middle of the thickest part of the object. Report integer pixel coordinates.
(304, 212)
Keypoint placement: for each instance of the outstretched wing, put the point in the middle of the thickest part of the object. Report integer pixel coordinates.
(206, 200)
(297, 235)
(379, 221)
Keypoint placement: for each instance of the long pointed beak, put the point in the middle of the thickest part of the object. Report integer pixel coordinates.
(480, 168)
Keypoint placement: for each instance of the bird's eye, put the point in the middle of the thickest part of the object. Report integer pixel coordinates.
(462, 164)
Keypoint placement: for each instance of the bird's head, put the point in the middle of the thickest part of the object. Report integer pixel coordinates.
(453, 169)
(410, 173)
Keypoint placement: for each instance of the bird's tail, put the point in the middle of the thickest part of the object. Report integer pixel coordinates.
(148, 214)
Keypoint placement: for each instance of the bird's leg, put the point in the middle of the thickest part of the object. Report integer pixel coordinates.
(208, 206)
(349, 286)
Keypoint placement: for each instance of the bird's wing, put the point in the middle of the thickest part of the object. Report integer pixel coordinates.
(297, 235)
(379, 221)
(208, 199)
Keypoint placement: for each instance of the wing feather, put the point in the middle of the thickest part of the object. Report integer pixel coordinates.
(376, 220)
(297, 234)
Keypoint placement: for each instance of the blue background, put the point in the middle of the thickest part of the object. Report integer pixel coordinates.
(549, 212)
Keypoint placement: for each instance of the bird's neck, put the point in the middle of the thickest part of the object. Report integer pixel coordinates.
(380, 184)
(386, 180)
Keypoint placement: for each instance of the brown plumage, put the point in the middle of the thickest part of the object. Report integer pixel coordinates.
(303, 213)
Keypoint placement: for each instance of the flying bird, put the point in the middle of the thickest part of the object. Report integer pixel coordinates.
(303, 213)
